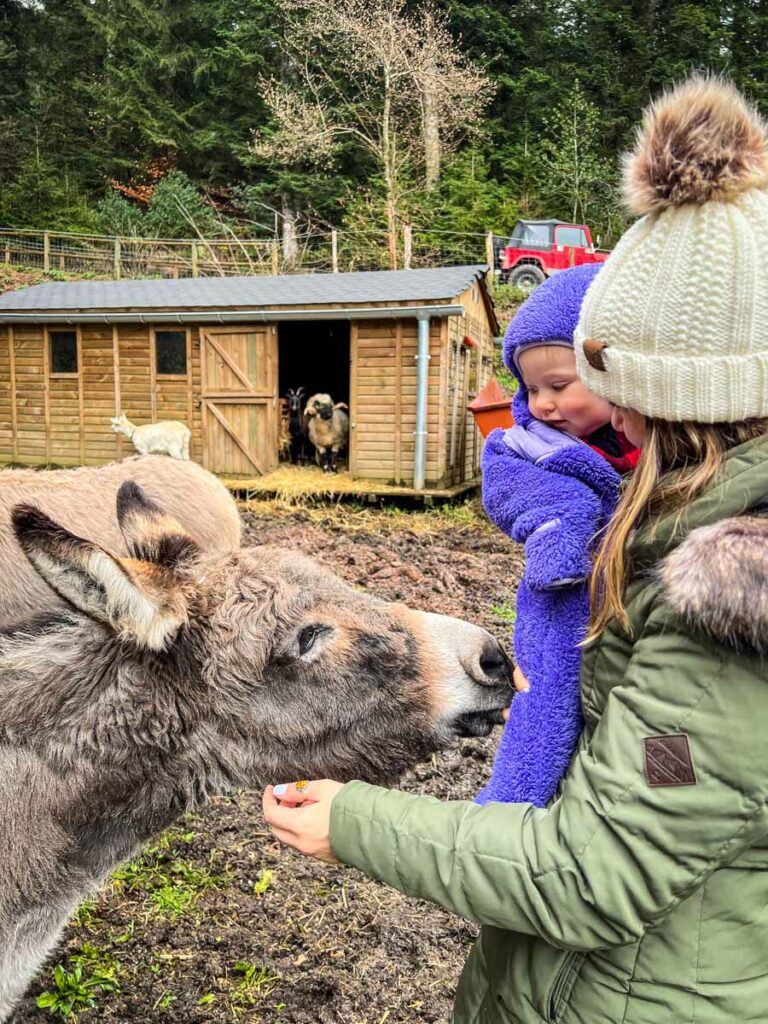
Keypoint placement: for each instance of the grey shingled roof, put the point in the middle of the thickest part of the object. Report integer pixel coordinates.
(222, 292)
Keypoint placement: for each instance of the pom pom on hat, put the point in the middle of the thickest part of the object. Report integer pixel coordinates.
(674, 325)
(701, 141)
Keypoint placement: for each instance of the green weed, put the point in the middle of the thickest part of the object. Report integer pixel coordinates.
(85, 915)
(263, 882)
(77, 990)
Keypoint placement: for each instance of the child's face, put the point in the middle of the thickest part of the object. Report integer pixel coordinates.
(556, 395)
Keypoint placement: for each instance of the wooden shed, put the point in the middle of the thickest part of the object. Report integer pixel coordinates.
(218, 353)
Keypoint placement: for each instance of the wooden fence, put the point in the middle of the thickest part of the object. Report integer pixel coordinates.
(112, 257)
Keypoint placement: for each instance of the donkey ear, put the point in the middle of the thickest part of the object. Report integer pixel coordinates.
(134, 599)
(149, 533)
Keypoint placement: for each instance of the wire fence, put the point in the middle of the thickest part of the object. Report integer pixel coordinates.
(315, 252)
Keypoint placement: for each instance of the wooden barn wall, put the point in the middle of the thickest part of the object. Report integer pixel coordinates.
(469, 369)
(64, 419)
(383, 399)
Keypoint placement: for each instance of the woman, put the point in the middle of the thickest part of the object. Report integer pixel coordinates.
(639, 894)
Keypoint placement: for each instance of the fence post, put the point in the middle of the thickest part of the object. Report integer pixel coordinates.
(275, 258)
(46, 251)
(118, 257)
(335, 250)
(195, 267)
(571, 256)
(407, 246)
(490, 256)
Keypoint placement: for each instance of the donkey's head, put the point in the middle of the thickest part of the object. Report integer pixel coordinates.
(235, 670)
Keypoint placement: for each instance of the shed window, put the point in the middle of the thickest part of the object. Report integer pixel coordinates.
(171, 353)
(63, 351)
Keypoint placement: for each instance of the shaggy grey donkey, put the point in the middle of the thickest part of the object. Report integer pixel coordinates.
(180, 674)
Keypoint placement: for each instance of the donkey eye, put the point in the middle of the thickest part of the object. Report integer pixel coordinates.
(308, 636)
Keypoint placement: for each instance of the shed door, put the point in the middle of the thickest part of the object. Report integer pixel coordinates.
(239, 399)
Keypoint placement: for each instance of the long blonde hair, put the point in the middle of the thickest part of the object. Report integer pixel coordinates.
(677, 462)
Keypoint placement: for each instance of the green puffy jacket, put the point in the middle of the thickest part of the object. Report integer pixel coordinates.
(640, 895)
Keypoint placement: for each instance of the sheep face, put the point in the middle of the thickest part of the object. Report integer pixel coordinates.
(320, 405)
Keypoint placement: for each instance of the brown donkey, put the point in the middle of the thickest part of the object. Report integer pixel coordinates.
(179, 674)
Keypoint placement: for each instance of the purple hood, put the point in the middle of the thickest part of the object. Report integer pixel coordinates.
(550, 313)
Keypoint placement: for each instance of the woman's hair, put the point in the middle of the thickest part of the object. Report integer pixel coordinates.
(677, 462)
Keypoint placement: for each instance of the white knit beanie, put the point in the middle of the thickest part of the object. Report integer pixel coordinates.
(675, 325)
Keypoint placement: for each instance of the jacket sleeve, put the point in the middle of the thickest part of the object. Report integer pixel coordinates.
(554, 515)
(613, 855)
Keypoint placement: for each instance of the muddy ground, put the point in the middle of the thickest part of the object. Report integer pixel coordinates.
(217, 922)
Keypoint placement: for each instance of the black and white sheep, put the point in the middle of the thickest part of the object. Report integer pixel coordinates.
(328, 429)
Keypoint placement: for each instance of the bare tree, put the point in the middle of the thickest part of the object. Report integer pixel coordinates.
(365, 71)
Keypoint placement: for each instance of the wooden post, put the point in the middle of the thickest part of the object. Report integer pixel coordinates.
(7, 251)
(407, 246)
(275, 258)
(335, 251)
(153, 374)
(399, 402)
(490, 257)
(14, 410)
(80, 395)
(203, 406)
(571, 256)
(117, 263)
(46, 251)
(195, 266)
(116, 373)
(47, 391)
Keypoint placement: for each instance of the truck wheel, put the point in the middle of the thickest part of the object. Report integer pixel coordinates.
(526, 277)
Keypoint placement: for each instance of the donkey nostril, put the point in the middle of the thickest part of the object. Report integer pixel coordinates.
(494, 664)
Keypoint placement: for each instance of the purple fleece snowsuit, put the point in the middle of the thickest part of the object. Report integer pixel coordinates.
(552, 493)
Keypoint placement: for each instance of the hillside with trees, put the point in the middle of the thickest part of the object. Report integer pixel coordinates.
(279, 117)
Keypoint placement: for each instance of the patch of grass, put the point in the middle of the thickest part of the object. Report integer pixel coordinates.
(505, 611)
(256, 980)
(172, 884)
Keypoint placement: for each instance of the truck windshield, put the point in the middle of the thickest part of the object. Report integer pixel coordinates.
(530, 236)
(570, 234)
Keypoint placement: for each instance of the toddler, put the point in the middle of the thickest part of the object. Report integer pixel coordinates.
(551, 482)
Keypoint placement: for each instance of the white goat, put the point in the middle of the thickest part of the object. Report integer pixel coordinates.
(168, 437)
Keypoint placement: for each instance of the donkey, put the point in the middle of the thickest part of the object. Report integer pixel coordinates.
(178, 674)
(84, 499)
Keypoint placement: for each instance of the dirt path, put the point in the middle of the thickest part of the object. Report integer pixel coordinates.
(219, 923)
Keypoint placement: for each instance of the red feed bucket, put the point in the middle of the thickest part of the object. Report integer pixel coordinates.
(492, 408)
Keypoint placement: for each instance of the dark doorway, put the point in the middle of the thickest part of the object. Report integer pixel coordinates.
(314, 355)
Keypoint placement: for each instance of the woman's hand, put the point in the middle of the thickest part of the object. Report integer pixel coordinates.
(300, 815)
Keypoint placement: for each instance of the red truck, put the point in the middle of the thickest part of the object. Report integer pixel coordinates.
(538, 248)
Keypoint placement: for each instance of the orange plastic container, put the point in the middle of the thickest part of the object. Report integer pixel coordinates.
(492, 408)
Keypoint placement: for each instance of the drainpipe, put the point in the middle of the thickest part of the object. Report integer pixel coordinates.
(420, 434)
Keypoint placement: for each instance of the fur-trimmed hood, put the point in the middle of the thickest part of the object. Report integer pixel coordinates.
(717, 581)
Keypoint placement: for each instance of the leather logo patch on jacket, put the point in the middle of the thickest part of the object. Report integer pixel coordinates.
(668, 761)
